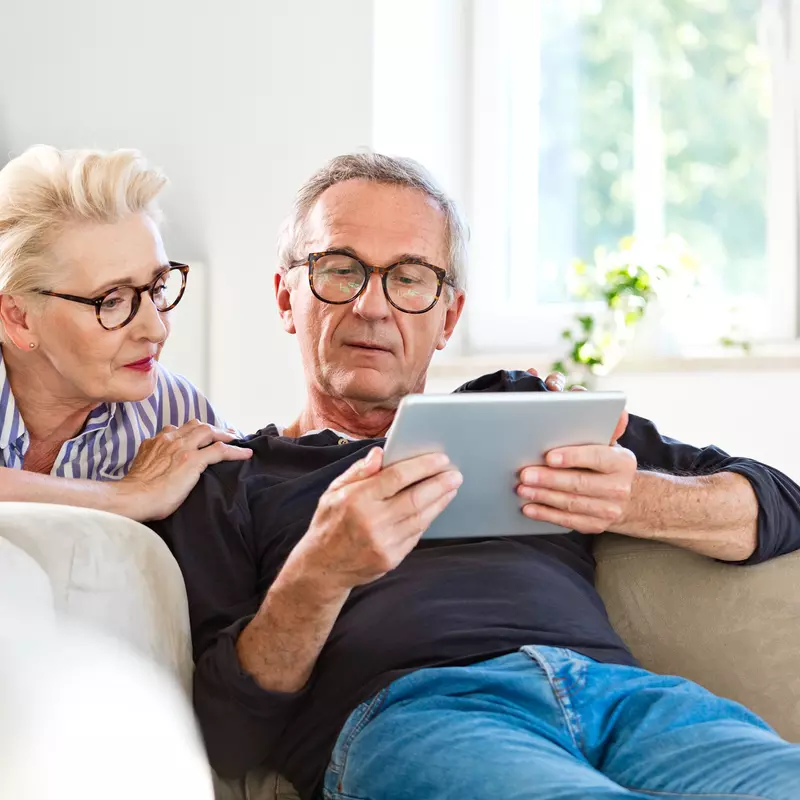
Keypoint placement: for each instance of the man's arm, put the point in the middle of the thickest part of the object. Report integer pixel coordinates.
(254, 656)
(714, 515)
(365, 524)
(211, 536)
(733, 509)
(282, 643)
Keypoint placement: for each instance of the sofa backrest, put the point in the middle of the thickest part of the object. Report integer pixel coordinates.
(734, 630)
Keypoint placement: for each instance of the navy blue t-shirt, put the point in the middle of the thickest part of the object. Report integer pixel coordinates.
(448, 603)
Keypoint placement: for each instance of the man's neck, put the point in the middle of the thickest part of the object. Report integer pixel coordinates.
(48, 418)
(359, 420)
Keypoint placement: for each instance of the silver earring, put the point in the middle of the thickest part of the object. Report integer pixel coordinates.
(32, 345)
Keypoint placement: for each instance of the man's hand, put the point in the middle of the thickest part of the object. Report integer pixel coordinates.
(370, 518)
(586, 488)
(365, 524)
(555, 381)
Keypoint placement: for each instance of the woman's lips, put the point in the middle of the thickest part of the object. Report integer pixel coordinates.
(145, 365)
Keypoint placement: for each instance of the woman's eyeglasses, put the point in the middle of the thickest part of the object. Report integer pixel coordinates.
(118, 306)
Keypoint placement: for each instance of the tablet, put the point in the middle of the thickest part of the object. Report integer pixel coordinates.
(490, 437)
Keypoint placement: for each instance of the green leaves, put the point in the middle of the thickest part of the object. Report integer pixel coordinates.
(626, 281)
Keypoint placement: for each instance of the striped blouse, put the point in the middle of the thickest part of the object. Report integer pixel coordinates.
(113, 432)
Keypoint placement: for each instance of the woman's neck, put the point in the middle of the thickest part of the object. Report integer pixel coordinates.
(50, 419)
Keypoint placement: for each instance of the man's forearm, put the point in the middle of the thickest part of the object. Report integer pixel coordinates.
(280, 646)
(715, 515)
(30, 487)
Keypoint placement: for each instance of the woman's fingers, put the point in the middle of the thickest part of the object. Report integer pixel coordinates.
(193, 435)
(220, 451)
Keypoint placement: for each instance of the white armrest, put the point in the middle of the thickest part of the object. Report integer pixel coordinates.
(111, 573)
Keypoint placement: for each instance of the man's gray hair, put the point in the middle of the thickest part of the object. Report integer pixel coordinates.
(376, 168)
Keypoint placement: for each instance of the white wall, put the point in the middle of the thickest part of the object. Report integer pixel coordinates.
(239, 102)
(747, 409)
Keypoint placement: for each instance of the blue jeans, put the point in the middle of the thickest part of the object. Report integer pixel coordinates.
(548, 723)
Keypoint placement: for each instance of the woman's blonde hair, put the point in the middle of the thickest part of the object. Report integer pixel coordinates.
(46, 189)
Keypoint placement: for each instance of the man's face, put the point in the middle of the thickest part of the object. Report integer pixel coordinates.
(368, 351)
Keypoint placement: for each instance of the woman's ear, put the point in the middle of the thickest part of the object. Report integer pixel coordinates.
(14, 317)
(283, 295)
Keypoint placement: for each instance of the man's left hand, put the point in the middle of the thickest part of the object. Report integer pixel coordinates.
(589, 488)
(555, 381)
(585, 488)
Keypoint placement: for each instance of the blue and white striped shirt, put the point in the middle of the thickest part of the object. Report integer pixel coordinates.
(108, 442)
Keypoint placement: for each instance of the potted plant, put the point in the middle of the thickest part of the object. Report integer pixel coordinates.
(617, 292)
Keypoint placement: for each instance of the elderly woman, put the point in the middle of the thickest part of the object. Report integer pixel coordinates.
(88, 417)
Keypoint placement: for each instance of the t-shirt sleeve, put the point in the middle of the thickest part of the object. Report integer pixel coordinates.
(211, 537)
(778, 495)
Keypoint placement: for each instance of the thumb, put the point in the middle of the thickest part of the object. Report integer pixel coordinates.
(361, 469)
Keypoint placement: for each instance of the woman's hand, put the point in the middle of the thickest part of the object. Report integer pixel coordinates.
(168, 466)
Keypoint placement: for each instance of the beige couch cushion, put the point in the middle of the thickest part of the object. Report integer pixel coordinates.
(735, 630)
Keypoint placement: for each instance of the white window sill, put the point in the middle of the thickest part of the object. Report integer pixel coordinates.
(782, 357)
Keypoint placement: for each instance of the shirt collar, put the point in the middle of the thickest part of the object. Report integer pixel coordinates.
(99, 417)
(12, 428)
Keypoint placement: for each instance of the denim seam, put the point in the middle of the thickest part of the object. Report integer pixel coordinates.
(700, 796)
(366, 717)
(563, 698)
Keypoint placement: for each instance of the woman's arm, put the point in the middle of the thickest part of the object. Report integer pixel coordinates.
(30, 487)
(165, 470)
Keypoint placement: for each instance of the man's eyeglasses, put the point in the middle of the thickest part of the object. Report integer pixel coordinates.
(118, 306)
(338, 277)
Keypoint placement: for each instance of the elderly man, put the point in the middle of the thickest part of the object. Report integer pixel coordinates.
(335, 646)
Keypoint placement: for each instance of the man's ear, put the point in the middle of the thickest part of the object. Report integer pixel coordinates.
(15, 322)
(283, 296)
(451, 317)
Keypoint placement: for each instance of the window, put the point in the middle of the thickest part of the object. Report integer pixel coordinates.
(591, 120)
(597, 119)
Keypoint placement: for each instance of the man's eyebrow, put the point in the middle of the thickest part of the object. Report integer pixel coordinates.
(127, 281)
(413, 257)
(402, 257)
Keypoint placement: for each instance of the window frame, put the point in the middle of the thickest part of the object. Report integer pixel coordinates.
(502, 313)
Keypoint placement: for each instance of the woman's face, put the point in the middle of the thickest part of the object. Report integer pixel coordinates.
(79, 359)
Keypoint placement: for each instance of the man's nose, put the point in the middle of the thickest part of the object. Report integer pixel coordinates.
(372, 303)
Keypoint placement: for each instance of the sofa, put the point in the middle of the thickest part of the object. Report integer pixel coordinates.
(734, 630)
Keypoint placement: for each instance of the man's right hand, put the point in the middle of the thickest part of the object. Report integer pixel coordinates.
(168, 466)
(370, 519)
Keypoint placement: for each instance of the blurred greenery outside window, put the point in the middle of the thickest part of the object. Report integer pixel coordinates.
(606, 118)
